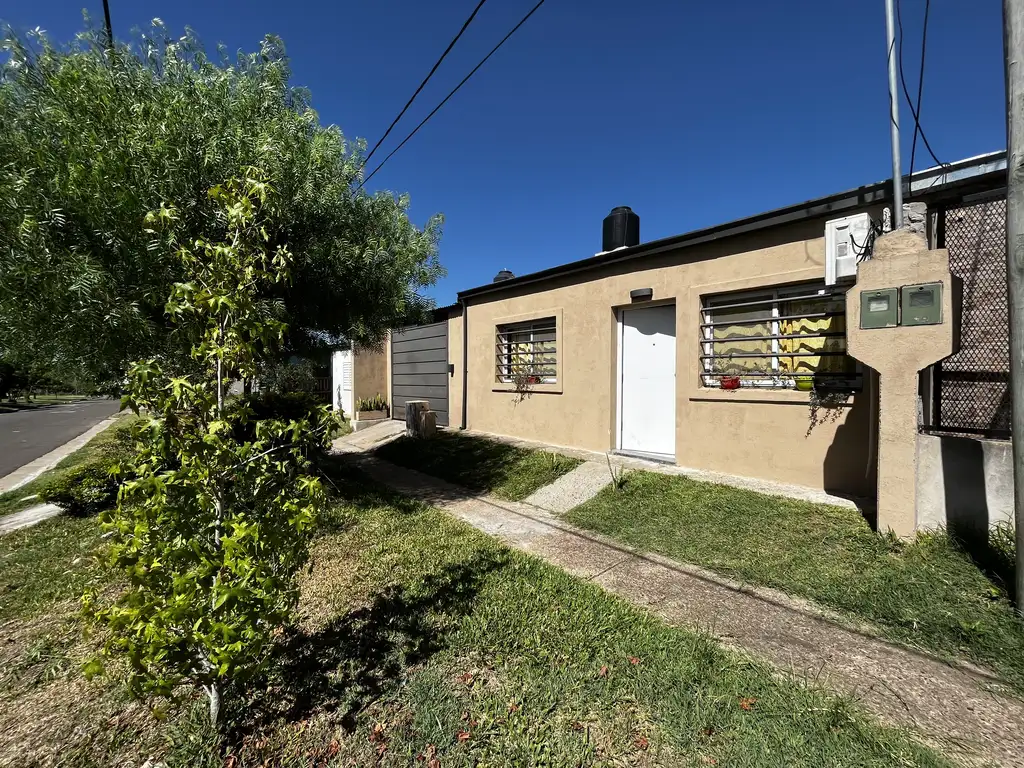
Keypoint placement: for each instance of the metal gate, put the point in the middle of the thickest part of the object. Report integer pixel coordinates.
(419, 369)
(971, 388)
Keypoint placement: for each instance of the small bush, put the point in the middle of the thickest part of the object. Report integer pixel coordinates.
(285, 406)
(85, 490)
(263, 406)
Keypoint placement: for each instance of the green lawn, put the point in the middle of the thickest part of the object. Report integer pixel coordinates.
(24, 497)
(481, 465)
(927, 593)
(424, 642)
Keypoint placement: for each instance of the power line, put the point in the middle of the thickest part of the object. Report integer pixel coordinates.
(110, 31)
(454, 90)
(920, 79)
(427, 78)
(916, 112)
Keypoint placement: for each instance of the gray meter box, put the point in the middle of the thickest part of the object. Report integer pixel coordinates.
(879, 309)
(921, 304)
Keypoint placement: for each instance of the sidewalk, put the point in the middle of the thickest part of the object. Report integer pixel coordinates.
(961, 711)
(29, 472)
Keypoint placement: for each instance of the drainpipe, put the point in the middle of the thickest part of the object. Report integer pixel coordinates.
(465, 362)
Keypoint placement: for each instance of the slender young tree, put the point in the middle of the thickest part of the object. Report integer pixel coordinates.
(212, 524)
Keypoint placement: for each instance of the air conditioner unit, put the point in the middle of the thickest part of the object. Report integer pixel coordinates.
(845, 242)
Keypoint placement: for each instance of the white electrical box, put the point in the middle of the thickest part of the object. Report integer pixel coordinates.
(846, 241)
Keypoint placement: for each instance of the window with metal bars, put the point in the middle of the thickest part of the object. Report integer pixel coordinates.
(784, 338)
(526, 351)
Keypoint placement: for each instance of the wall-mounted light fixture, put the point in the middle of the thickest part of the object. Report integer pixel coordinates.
(641, 294)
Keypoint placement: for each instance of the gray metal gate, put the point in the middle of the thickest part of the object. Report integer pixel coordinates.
(971, 393)
(419, 369)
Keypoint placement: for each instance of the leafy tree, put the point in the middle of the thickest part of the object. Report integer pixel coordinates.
(91, 140)
(212, 521)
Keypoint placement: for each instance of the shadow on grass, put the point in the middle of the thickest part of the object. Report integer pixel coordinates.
(350, 491)
(360, 656)
(474, 463)
(992, 551)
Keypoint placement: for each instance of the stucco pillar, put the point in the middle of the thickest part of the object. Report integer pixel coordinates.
(898, 354)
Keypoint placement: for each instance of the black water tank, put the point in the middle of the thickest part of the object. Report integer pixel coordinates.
(502, 276)
(621, 228)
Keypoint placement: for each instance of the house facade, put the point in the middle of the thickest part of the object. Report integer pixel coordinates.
(720, 350)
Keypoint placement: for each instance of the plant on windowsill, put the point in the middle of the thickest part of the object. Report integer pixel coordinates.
(523, 379)
(826, 403)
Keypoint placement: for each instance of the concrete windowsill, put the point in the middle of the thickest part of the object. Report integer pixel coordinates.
(751, 395)
(554, 388)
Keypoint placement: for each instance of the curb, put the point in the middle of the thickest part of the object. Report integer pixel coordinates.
(36, 467)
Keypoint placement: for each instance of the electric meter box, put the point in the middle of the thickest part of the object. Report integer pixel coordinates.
(921, 304)
(880, 308)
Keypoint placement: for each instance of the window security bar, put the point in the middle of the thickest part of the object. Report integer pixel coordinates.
(738, 355)
(770, 337)
(769, 318)
(783, 375)
(773, 300)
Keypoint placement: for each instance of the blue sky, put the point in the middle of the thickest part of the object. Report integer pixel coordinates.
(691, 113)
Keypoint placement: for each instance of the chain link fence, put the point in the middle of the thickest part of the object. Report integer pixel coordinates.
(971, 394)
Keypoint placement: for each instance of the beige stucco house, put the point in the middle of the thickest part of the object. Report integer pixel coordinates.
(722, 349)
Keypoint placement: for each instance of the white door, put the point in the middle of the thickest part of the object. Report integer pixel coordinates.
(647, 380)
(341, 384)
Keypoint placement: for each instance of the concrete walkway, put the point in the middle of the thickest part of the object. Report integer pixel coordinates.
(27, 517)
(572, 488)
(962, 711)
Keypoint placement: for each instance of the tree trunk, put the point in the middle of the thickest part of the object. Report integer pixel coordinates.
(214, 695)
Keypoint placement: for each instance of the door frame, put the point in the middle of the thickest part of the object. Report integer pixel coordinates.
(619, 330)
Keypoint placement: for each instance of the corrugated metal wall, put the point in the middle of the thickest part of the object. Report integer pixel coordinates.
(419, 369)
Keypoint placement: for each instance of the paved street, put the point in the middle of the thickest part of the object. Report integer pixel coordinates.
(29, 434)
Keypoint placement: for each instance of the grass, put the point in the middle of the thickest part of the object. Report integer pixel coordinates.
(481, 465)
(24, 497)
(48, 563)
(928, 593)
(424, 642)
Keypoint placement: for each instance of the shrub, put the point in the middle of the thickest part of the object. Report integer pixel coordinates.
(247, 411)
(86, 490)
(286, 406)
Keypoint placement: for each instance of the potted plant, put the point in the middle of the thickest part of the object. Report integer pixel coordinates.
(371, 408)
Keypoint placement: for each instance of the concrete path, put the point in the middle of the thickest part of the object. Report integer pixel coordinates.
(33, 469)
(26, 435)
(572, 488)
(28, 517)
(962, 711)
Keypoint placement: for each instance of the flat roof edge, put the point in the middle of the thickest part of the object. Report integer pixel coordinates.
(923, 184)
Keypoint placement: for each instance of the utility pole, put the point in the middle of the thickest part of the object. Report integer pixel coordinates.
(1013, 50)
(894, 118)
(110, 31)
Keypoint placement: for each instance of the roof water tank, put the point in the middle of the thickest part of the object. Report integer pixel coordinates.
(621, 228)
(502, 276)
